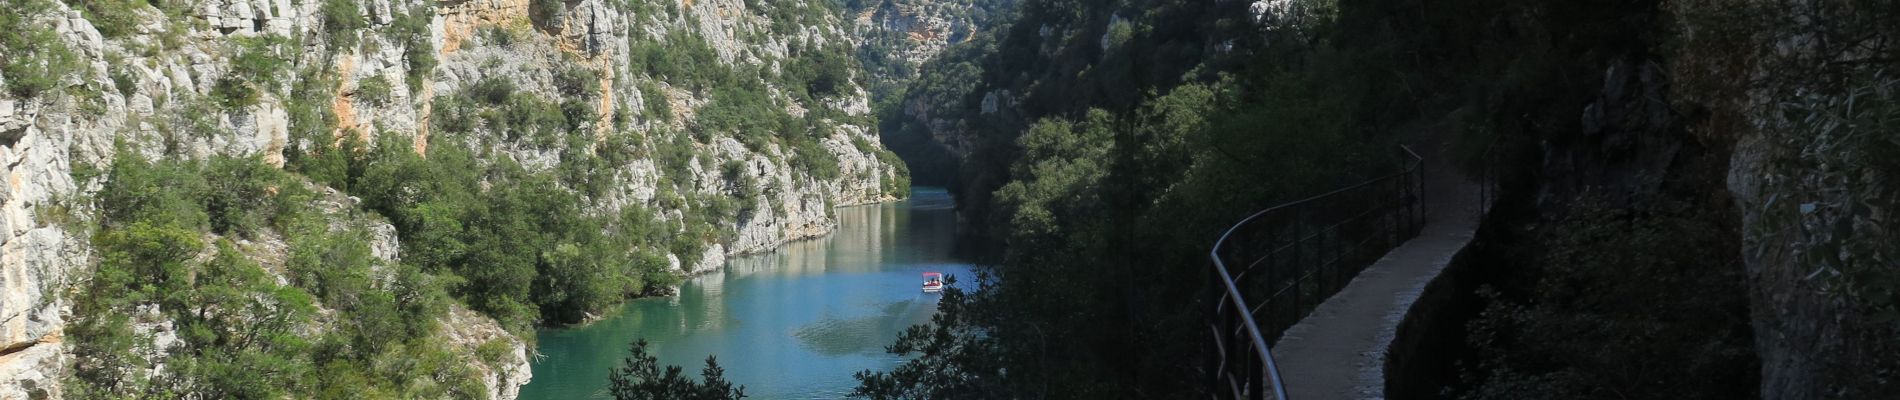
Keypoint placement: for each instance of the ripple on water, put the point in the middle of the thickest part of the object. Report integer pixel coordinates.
(832, 336)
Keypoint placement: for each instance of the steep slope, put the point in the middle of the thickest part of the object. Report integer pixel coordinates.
(898, 39)
(518, 154)
(1698, 192)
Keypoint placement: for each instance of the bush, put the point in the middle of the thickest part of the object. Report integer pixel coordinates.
(641, 377)
(658, 105)
(232, 93)
(341, 21)
(547, 13)
(113, 18)
(683, 59)
(814, 159)
(254, 70)
(36, 60)
(820, 73)
(1661, 286)
(242, 335)
(576, 81)
(412, 31)
(748, 113)
(374, 90)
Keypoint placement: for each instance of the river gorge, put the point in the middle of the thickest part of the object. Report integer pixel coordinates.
(793, 323)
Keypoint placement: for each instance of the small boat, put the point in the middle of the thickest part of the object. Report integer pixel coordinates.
(933, 282)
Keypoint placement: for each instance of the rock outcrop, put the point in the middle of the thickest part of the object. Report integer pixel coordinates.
(1809, 106)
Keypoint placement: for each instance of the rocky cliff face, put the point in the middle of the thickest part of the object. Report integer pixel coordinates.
(924, 28)
(143, 88)
(1811, 112)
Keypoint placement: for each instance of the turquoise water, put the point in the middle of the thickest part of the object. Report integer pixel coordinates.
(791, 324)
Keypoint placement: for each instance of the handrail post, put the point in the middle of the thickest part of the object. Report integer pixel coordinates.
(1420, 199)
(1299, 267)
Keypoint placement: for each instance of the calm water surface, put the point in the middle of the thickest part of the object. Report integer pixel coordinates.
(791, 324)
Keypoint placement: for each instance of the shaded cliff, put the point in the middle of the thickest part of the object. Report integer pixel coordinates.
(1694, 206)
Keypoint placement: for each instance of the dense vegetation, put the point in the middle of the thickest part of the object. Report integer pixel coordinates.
(280, 282)
(36, 59)
(176, 243)
(1107, 141)
(641, 377)
(525, 248)
(1106, 182)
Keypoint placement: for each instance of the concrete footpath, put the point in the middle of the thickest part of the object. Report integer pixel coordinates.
(1338, 352)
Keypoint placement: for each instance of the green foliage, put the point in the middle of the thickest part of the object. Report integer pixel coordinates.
(124, 83)
(498, 35)
(497, 107)
(746, 111)
(374, 90)
(253, 70)
(1065, 163)
(640, 377)
(547, 13)
(518, 240)
(312, 150)
(577, 82)
(814, 159)
(820, 73)
(898, 183)
(676, 157)
(411, 30)
(658, 105)
(113, 18)
(1650, 301)
(1102, 180)
(232, 93)
(36, 59)
(683, 59)
(1846, 142)
(341, 22)
(976, 372)
(241, 334)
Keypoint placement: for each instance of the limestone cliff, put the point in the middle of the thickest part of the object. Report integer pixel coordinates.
(1809, 101)
(159, 82)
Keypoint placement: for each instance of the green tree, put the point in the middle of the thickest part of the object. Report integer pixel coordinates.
(640, 377)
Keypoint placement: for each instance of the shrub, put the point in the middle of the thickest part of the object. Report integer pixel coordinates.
(820, 73)
(374, 90)
(36, 60)
(124, 83)
(640, 376)
(341, 21)
(1660, 284)
(243, 195)
(815, 160)
(683, 59)
(658, 105)
(412, 31)
(113, 18)
(241, 334)
(576, 81)
(232, 93)
(547, 13)
(747, 112)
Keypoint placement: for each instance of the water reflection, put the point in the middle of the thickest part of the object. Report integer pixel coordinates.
(794, 323)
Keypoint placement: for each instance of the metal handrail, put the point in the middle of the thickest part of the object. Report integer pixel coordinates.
(1258, 372)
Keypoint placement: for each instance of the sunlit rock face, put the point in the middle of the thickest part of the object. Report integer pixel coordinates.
(132, 92)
